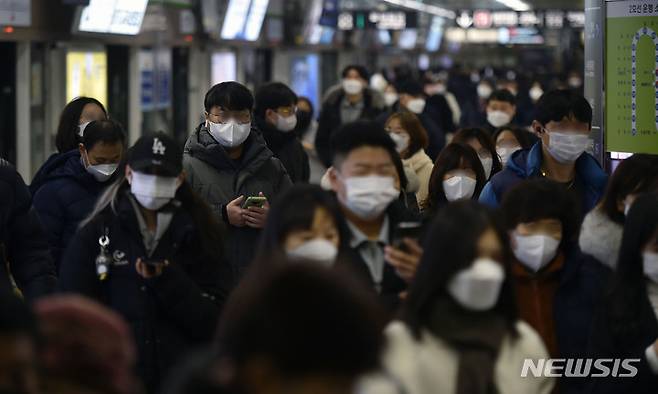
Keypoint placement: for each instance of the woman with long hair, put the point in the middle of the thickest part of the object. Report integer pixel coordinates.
(151, 251)
(459, 331)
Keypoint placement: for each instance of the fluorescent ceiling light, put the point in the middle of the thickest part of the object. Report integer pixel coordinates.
(516, 5)
(420, 6)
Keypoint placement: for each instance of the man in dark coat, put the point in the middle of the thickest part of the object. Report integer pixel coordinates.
(367, 184)
(24, 252)
(351, 102)
(276, 119)
(227, 162)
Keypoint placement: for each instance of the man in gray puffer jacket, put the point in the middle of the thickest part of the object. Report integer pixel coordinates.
(227, 162)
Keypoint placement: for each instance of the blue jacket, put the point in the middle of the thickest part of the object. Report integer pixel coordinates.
(526, 164)
(64, 194)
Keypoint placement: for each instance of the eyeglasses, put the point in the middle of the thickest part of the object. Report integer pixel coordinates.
(240, 117)
(286, 111)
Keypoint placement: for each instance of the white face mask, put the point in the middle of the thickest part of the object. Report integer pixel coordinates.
(567, 147)
(152, 191)
(478, 287)
(352, 86)
(369, 196)
(416, 105)
(286, 124)
(103, 172)
(484, 91)
(459, 187)
(506, 153)
(535, 251)
(390, 98)
(81, 128)
(498, 118)
(487, 164)
(100, 172)
(378, 82)
(318, 249)
(401, 141)
(650, 265)
(229, 134)
(536, 93)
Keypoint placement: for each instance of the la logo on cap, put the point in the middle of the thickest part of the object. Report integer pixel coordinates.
(158, 147)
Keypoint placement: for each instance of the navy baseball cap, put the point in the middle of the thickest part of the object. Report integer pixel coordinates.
(156, 152)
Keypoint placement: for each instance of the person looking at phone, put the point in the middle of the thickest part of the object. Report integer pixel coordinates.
(366, 182)
(227, 162)
(152, 251)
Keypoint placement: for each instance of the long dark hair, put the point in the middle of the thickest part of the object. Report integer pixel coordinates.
(628, 290)
(451, 246)
(636, 175)
(67, 131)
(464, 135)
(294, 210)
(209, 230)
(452, 157)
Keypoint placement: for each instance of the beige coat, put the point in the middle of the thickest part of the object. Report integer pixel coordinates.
(422, 165)
(429, 366)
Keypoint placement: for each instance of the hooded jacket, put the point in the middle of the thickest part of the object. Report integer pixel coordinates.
(64, 194)
(600, 238)
(286, 147)
(218, 179)
(526, 164)
(23, 245)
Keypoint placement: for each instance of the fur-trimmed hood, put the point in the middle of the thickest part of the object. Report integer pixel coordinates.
(600, 237)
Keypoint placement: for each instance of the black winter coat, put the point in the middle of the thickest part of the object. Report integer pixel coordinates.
(64, 194)
(330, 120)
(604, 343)
(23, 243)
(287, 148)
(169, 314)
(219, 180)
(392, 285)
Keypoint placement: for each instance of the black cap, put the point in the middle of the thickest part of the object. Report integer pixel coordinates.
(156, 151)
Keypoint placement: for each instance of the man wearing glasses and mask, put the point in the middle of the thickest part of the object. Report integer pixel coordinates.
(229, 165)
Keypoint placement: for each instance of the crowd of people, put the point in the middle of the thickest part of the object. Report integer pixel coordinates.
(396, 241)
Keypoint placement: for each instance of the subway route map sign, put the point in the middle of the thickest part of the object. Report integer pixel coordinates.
(631, 76)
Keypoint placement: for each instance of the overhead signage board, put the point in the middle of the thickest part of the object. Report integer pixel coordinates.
(381, 20)
(113, 16)
(488, 19)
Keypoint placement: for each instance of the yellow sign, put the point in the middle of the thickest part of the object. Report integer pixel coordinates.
(86, 75)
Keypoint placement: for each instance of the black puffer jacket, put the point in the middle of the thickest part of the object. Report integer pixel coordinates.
(219, 180)
(23, 243)
(169, 314)
(64, 195)
(287, 148)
